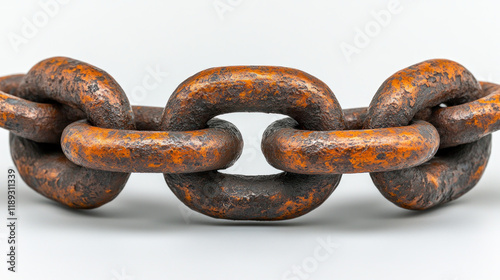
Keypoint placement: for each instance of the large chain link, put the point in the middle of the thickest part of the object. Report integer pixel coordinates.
(425, 138)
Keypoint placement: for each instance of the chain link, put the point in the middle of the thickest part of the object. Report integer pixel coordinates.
(425, 138)
(98, 96)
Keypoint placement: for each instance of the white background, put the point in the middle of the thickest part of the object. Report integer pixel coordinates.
(146, 233)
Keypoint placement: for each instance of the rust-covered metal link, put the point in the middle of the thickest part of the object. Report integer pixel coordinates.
(215, 147)
(46, 170)
(403, 96)
(348, 151)
(40, 122)
(99, 97)
(425, 138)
(252, 89)
(471, 121)
(449, 175)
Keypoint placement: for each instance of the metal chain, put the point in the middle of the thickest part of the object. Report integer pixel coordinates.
(425, 138)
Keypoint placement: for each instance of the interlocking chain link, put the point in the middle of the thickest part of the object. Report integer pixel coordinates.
(425, 138)
(252, 89)
(97, 96)
(453, 172)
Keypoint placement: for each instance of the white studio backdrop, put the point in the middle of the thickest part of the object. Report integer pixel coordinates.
(353, 46)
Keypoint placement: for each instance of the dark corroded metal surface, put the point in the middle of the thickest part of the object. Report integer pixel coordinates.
(413, 91)
(9, 84)
(355, 117)
(104, 103)
(147, 117)
(41, 122)
(348, 151)
(152, 151)
(252, 89)
(424, 139)
(79, 85)
(471, 121)
(418, 89)
(46, 170)
(237, 197)
(453, 172)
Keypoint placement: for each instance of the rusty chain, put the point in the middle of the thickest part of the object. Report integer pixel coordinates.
(425, 138)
